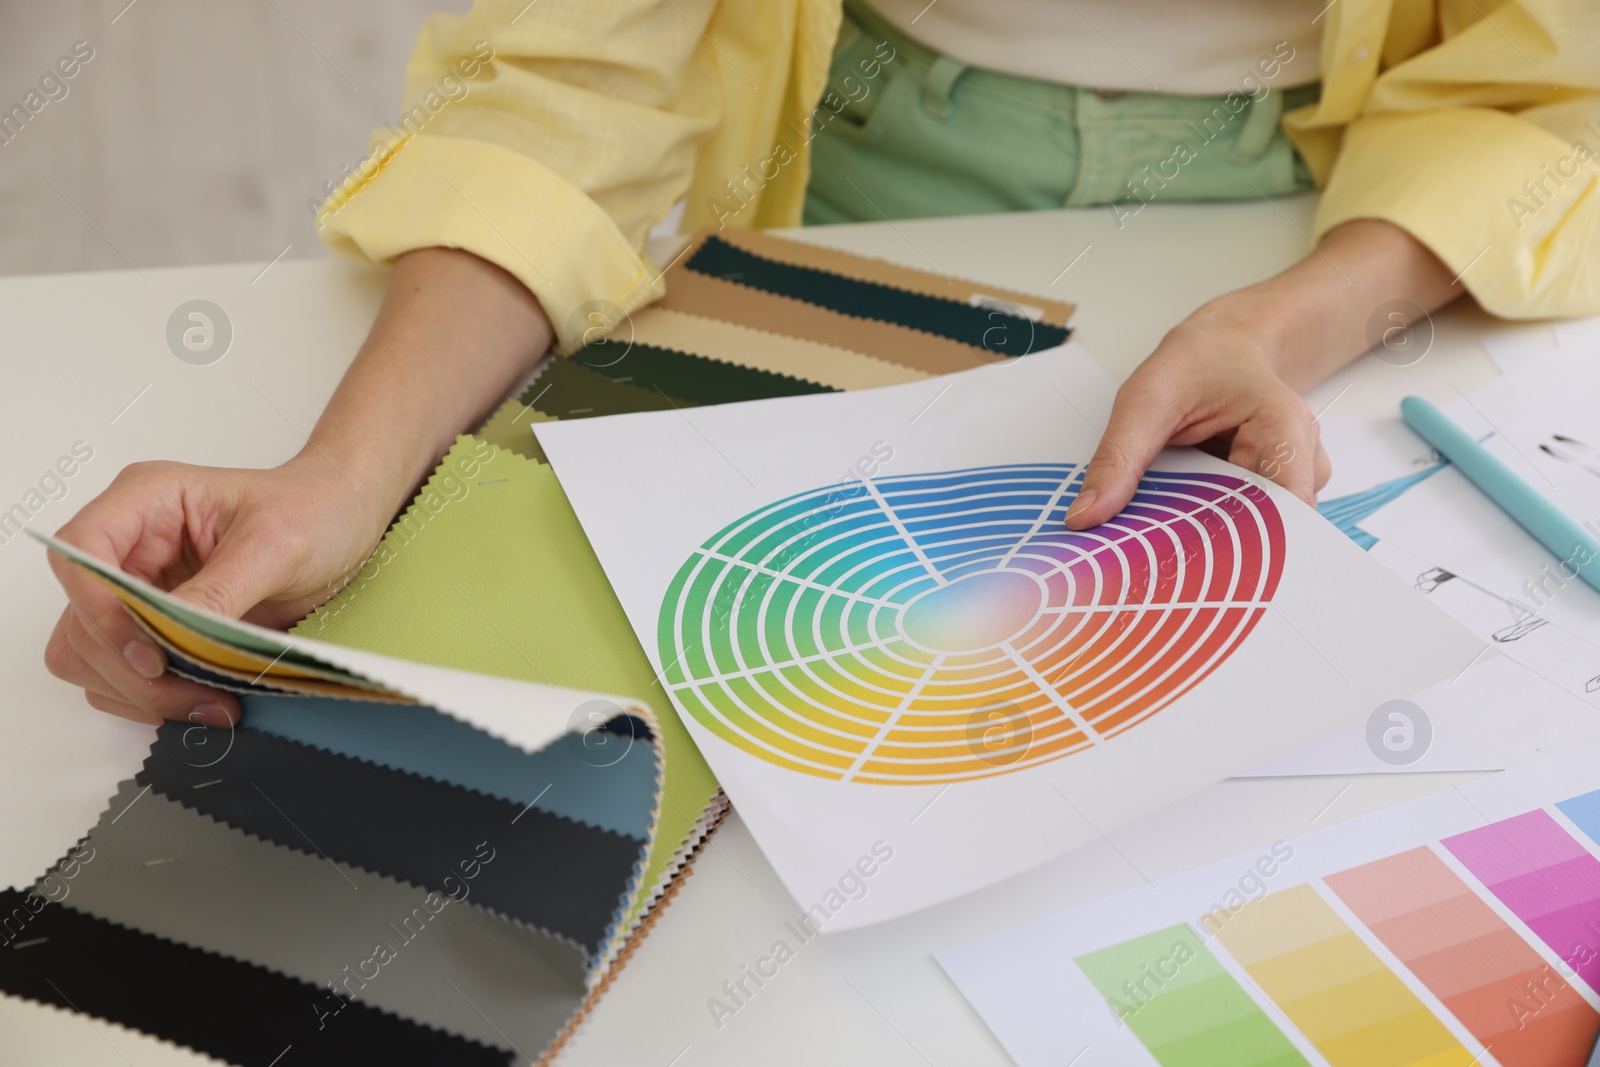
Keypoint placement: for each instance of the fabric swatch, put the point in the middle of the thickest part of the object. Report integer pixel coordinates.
(988, 328)
(502, 580)
(718, 298)
(169, 871)
(599, 777)
(567, 389)
(511, 428)
(850, 265)
(693, 379)
(765, 350)
(552, 873)
(192, 997)
(247, 681)
(231, 648)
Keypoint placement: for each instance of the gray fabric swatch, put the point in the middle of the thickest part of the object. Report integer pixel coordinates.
(165, 869)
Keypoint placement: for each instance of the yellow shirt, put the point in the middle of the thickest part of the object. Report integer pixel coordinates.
(1473, 127)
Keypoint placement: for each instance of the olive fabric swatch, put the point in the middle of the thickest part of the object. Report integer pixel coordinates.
(690, 379)
(552, 873)
(170, 871)
(511, 428)
(567, 389)
(192, 997)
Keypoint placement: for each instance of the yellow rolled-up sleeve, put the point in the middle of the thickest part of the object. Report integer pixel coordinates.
(1483, 147)
(551, 159)
(1453, 179)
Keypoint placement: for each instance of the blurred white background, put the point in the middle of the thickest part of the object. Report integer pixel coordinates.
(199, 129)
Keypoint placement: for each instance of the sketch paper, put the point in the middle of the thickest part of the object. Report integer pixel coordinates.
(1403, 936)
(1385, 478)
(1472, 559)
(870, 615)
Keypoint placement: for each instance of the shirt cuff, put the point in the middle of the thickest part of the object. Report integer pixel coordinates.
(500, 205)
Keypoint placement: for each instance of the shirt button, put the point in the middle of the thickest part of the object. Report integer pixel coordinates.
(1360, 52)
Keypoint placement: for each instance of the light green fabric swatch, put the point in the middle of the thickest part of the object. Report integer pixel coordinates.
(489, 571)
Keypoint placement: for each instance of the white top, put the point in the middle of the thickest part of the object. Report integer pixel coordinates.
(1168, 46)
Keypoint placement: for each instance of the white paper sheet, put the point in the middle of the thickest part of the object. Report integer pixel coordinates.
(1457, 725)
(1517, 346)
(1027, 984)
(862, 682)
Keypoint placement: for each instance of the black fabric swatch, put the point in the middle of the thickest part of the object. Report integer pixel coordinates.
(553, 873)
(692, 378)
(981, 327)
(224, 1008)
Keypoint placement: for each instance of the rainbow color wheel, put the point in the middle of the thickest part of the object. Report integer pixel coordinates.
(937, 627)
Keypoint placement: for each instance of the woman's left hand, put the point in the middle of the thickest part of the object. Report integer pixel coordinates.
(1232, 371)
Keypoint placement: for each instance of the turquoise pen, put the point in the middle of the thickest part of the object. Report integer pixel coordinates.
(1570, 543)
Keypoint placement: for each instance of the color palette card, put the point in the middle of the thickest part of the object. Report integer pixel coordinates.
(1459, 929)
(870, 615)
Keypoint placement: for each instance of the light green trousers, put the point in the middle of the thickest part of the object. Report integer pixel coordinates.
(912, 133)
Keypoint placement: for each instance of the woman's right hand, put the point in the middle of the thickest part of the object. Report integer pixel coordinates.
(264, 545)
(455, 333)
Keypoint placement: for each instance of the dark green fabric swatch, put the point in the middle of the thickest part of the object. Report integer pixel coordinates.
(981, 327)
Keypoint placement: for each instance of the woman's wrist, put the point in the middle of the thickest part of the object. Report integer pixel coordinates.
(1312, 319)
(372, 486)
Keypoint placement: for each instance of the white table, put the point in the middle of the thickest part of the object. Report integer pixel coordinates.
(88, 360)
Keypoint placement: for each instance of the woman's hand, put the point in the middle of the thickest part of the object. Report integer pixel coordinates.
(454, 334)
(1232, 372)
(267, 545)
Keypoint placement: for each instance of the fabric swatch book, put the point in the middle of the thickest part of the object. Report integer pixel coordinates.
(378, 820)
(365, 733)
(869, 613)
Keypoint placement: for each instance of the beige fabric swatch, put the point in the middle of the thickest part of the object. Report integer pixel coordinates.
(762, 350)
(716, 298)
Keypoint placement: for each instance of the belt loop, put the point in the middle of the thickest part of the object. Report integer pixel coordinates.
(937, 83)
(1259, 128)
(849, 30)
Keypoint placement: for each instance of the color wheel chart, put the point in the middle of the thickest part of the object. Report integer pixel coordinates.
(1498, 926)
(932, 628)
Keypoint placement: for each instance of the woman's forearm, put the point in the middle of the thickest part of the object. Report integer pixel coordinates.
(1317, 313)
(455, 332)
